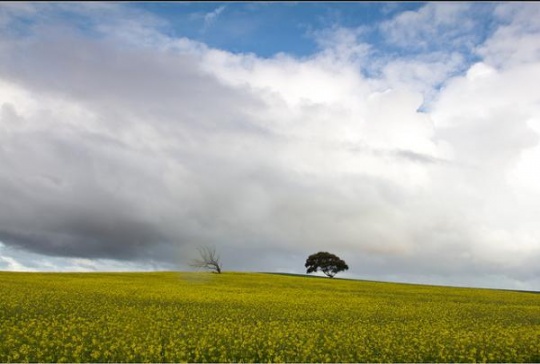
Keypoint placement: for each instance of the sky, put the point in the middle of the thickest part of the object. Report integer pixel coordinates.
(402, 137)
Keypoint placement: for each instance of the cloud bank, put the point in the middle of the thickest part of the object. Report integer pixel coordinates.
(123, 145)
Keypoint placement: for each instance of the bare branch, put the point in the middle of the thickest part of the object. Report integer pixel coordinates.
(208, 260)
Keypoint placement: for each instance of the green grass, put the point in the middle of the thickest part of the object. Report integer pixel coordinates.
(256, 317)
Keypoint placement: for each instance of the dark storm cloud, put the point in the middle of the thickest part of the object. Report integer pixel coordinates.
(97, 187)
(55, 205)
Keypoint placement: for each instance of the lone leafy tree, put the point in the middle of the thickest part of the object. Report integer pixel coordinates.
(327, 263)
(209, 259)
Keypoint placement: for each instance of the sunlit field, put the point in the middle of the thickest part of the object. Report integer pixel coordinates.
(245, 317)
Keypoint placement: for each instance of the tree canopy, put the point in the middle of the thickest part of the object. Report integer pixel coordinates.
(327, 263)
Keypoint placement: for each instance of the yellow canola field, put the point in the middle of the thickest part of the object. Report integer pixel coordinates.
(248, 317)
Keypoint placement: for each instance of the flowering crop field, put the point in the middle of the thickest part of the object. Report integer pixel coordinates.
(256, 317)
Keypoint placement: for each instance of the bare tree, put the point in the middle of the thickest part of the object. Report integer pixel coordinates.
(208, 260)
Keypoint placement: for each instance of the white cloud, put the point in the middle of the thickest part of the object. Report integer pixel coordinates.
(210, 18)
(23, 261)
(517, 39)
(421, 74)
(341, 45)
(10, 264)
(434, 24)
